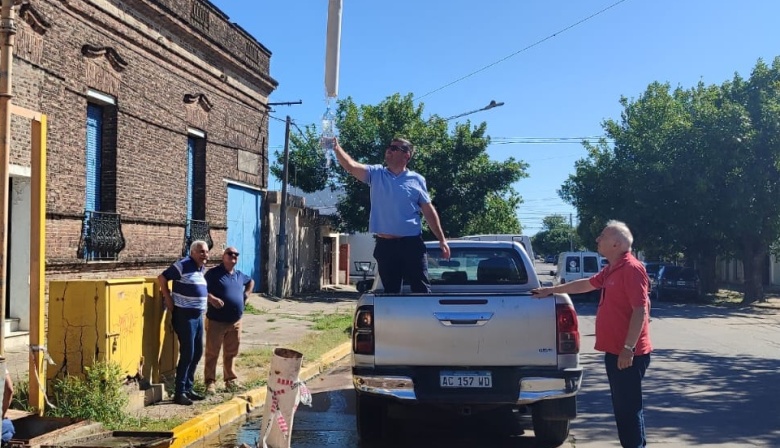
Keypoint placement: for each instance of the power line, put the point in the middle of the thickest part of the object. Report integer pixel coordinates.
(283, 120)
(543, 140)
(292, 122)
(522, 49)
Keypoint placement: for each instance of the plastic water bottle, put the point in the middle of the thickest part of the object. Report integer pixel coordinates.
(328, 136)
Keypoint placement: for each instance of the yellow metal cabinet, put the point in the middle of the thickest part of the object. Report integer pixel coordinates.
(160, 347)
(96, 320)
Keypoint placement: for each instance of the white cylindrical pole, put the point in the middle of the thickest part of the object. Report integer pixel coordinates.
(285, 392)
(332, 48)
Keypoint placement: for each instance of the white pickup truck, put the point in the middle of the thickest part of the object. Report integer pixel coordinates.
(477, 343)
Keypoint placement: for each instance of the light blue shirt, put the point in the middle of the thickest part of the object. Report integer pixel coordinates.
(396, 201)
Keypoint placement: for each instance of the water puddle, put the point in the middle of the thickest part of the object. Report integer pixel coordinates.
(330, 422)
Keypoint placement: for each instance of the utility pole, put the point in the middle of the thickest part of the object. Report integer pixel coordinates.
(281, 240)
(571, 235)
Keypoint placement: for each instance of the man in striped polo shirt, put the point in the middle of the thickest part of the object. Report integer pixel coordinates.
(187, 303)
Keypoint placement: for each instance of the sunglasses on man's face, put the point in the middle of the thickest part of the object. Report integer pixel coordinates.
(403, 148)
(231, 254)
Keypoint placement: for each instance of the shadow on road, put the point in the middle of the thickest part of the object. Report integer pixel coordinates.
(693, 395)
(687, 310)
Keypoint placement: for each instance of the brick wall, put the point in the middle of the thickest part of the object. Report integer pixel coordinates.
(167, 75)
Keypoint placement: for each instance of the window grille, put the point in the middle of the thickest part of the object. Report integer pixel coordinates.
(101, 236)
(194, 231)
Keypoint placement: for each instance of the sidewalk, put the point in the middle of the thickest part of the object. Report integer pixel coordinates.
(269, 323)
(276, 323)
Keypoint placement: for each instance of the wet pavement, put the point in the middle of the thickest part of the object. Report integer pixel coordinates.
(330, 422)
(712, 371)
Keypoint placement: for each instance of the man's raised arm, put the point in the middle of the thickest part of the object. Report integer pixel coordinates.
(358, 170)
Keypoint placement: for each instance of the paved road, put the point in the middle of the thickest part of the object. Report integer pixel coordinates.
(714, 381)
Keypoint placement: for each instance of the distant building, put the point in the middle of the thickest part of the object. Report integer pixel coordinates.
(157, 136)
(356, 250)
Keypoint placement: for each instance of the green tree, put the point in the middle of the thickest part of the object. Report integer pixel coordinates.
(751, 112)
(653, 177)
(556, 236)
(472, 193)
(693, 171)
(500, 217)
(306, 167)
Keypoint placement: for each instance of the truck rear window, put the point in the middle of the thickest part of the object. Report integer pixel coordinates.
(476, 266)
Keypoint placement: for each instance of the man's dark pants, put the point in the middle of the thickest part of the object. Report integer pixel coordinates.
(188, 325)
(402, 259)
(626, 389)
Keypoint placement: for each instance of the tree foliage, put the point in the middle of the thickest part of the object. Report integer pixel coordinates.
(500, 215)
(305, 166)
(695, 171)
(472, 193)
(556, 236)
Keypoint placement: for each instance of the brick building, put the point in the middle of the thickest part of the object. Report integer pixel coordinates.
(157, 135)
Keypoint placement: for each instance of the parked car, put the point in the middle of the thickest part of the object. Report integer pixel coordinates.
(550, 259)
(677, 281)
(576, 265)
(652, 268)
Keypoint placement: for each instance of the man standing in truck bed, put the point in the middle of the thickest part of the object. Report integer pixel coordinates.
(622, 329)
(398, 195)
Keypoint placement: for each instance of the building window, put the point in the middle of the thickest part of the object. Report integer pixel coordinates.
(196, 227)
(101, 232)
(94, 156)
(196, 176)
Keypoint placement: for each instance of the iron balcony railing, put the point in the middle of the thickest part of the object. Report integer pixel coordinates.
(101, 236)
(196, 230)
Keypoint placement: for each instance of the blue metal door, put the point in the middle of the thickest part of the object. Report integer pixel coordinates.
(243, 232)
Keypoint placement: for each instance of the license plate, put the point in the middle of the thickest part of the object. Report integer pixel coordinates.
(681, 283)
(466, 379)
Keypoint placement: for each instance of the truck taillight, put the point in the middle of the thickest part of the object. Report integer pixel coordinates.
(363, 331)
(568, 329)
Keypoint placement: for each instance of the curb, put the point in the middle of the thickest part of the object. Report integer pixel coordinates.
(226, 413)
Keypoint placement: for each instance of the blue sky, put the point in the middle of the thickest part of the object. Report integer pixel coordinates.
(560, 88)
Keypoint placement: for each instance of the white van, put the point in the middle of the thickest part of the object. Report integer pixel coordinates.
(522, 239)
(576, 265)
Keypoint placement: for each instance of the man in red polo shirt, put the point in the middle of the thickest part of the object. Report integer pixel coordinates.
(622, 330)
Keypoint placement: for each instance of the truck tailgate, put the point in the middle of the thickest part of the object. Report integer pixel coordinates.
(468, 330)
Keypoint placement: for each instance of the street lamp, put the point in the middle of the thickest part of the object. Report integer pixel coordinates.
(490, 105)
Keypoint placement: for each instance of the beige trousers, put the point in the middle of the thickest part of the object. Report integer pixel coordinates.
(221, 335)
